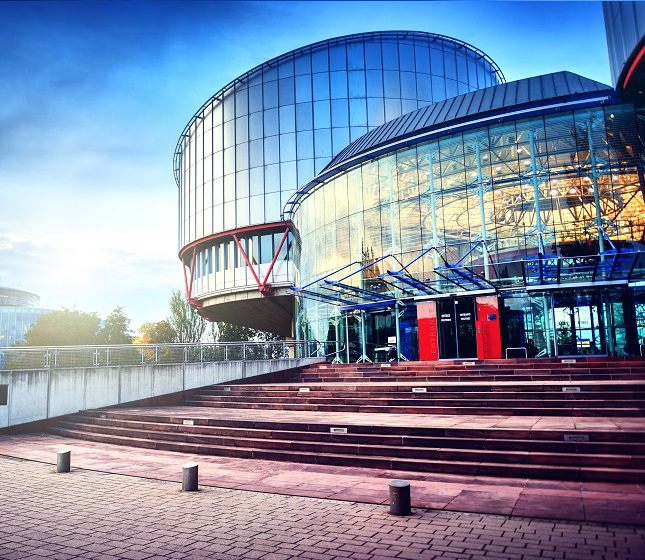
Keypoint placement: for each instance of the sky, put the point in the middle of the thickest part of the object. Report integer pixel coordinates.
(94, 96)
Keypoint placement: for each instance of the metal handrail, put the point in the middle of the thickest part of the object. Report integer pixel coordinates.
(47, 357)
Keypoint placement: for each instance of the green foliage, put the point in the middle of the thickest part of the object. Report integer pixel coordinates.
(67, 327)
(227, 332)
(116, 329)
(70, 327)
(155, 333)
(184, 320)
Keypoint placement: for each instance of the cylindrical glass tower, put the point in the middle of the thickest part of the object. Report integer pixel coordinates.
(250, 146)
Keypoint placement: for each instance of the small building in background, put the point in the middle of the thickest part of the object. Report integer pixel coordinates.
(18, 311)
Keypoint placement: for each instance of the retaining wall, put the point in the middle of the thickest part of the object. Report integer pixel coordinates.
(37, 395)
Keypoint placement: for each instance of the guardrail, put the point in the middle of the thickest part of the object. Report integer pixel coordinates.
(38, 357)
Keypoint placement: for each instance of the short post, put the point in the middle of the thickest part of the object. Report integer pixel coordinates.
(400, 497)
(63, 461)
(189, 478)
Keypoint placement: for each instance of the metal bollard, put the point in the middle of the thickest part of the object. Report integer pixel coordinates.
(63, 461)
(189, 477)
(400, 498)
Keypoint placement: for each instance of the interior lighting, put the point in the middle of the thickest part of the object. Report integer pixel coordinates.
(555, 192)
(520, 150)
(615, 177)
(498, 168)
(527, 162)
(573, 191)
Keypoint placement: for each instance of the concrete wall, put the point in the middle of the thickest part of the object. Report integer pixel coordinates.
(36, 395)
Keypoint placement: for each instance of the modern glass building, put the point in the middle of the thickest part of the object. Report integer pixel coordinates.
(392, 187)
(505, 221)
(249, 147)
(18, 310)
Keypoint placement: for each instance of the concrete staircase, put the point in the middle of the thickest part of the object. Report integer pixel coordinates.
(580, 420)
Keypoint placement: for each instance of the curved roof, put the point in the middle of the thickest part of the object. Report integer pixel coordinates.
(326, 43)
(520, 95)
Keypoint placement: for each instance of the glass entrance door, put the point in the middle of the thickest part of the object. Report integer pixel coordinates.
(457, 332)
(578, 319)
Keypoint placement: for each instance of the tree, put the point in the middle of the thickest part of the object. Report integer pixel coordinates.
(227, 332)
(186, 323)
(116, 329)
(155, 333)
(67, 327)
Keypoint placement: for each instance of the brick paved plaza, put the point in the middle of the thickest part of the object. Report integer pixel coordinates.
(87, 514)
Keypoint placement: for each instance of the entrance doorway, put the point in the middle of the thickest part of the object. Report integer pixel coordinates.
(457, 328)
(578, 320)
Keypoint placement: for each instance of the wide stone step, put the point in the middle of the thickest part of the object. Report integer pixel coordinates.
(373, 437)
(522, 402)
(525, 469)
(488, 409)
(314, 378)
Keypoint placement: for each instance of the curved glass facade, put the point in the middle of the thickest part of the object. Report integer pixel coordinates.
(510, 209)
(249, 147)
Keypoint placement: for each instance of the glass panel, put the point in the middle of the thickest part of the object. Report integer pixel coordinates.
(256, 180)
(303, 64)
(375, 112)
(320, 60)
(271, 122)
(424, 88)
(337, 57)
(286, 68)
(288, 176)
(438, 88)
(356, 80)
(287, 147)
(271, 150)
(256, 148)
(305, 145)
(270, 91)
(242, 156)
(229, 134)
(322, 117)
(391, 84)
(241, 102)
(272, 208)
(287, 91)
(436, 61)
(358, 112)
(256, 128)
(339, 112)
(408, 85)
(304, 116)
(256, 206)
(338, 82)
(340, 139)
(241, 130)
(287, 119)
(406, 56)
(374, 83)
(355, 56)
(422, 59)
(272, 178)
(322, 143)
(373, 56)
(321, 86)
(303, 88)
(390, 55)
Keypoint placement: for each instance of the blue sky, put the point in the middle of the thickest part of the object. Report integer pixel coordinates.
(94, 95)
